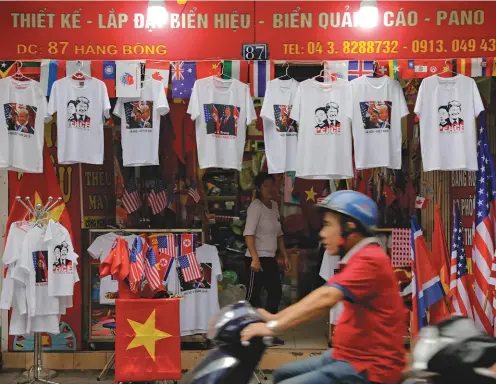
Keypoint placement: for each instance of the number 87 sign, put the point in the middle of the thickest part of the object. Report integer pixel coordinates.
(255, 52)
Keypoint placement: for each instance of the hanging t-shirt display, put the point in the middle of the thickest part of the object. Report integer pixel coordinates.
(201, 298)
(221, 109)
(280, 131)
(81, 107)
(323, 112)
(22, 125)
(140, 127)
(447, 109)
(378, 107)
(62, 260)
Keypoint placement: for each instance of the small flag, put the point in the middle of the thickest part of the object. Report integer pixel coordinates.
(73, 66)
(421, 202)
(381, 68)
(186, 243)
(193, 192)
(51, 70)
(105, 71)
(394, 69)
(158, 70)
(128, 78)
(7, 68)
(136, 264)
(130, 197)
(261, 73)
(151, 271)
(388, 194)
(427, 288)
(157, 198)
(340, 68)
(357, 68)
(31, 69)
(189, 267)
(183, 78)
(166, 252)
(236, 69)
(208, 68)
(459, 284)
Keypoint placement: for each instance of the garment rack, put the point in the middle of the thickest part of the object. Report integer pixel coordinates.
(37, 373)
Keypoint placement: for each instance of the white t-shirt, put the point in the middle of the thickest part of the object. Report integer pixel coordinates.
(62, 260)
(140, 128)
(447, 109)
(324, 115)
(22, 125)
(222, 109)
(80, 118)
(330, 264)
(378, 106)
(201, 297)
(99, 250)
(280, 132)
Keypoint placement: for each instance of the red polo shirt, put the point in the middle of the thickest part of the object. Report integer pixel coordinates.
(369, 333)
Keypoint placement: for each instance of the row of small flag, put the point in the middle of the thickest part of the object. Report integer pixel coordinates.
(158, 198)
(183, 74)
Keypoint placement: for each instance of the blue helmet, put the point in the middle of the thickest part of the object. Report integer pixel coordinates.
(353, 204)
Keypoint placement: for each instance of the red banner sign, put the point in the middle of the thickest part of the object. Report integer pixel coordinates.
(196, 30)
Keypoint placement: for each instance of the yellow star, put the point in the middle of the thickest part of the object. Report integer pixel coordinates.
(146, 335)
(55, 212)
(311, 194)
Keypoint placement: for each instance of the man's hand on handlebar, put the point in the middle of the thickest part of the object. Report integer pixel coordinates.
(254, 330)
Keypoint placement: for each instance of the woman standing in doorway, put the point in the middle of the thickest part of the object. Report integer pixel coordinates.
(263, 236)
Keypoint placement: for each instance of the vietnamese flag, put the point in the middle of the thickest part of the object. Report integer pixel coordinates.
(147, 341)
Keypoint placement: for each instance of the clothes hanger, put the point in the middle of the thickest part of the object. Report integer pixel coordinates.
(377, 74)
(326, 74)
(447, 70)
(287, 69)
(222, 74)
(79, 74)
(19, 76)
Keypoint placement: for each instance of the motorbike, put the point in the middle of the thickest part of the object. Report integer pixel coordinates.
(453, 352)
(231, 361)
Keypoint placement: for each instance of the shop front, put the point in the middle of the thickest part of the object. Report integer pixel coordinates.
(157, 124)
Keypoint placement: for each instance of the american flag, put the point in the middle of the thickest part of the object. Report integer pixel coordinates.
(459, 283)
(136, 264)
(167, 244)
(364, 110)
(193, 192)
(128, 110)
(484, 239)
(157, 198)
(131, 198)
(183, 78)
(189, 266)
(7, 108)
(151, 271)
(357, 68)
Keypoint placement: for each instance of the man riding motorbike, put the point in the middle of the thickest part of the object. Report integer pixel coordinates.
(368, 344)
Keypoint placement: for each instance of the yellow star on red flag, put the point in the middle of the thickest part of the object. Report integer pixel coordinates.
(311, 194)
(146, 335)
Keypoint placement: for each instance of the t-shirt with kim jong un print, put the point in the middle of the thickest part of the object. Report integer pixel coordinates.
(221, 110)
(140, 127)
(81, 106)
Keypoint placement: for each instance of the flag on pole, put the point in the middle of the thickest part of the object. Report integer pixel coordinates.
(166, 254)
(136, 265)
(158, 70)
(186, 243)
(157, 198)
(189, 266)
(427, 289)
(151, 271)
(421, 202)
(441, 263)
(51, 70)
(236, 69)
(484, 239)
(130, 197)
(105, 71)
(459, 284)
(193, 192)
(260, 74)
